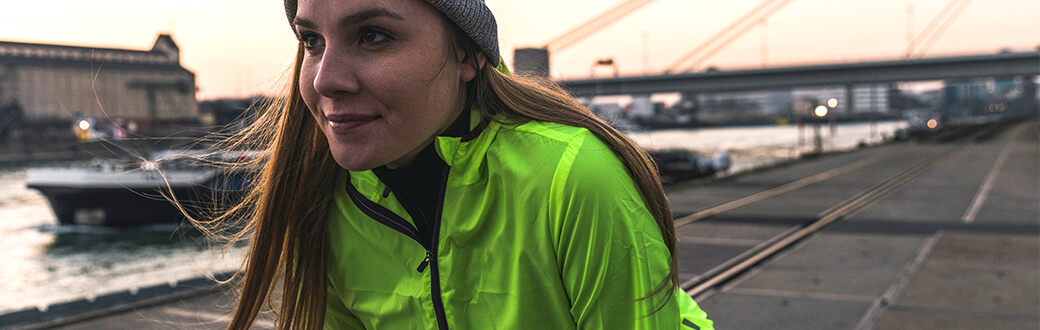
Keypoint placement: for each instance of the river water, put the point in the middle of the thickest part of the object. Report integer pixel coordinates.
(756, 146)
(43, 263)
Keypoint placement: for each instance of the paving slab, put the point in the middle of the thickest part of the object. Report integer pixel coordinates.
(952, 185)
(966, 274)
(981, 249)
(868, 284)
(704, 245)
(864, 265)
(749, 312)
(851, 251)
(696, 259)
(728, 231)
(927, 320)
(1015, 192)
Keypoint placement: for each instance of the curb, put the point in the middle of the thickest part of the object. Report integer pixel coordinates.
(85, 309)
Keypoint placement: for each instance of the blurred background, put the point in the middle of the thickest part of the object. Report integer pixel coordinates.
(728, 86)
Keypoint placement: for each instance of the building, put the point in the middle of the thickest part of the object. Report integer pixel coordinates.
(781, 105)
(54, 85)
(762, 106)
(989, 96)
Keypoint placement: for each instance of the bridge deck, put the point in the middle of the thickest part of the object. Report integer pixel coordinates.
(962, 67)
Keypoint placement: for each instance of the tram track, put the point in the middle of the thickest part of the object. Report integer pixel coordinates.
(757, 254)
(760, 196)
(719, 275)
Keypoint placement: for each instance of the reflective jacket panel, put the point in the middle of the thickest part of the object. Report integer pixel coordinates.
(540, 227)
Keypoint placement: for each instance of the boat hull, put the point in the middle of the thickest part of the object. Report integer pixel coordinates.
(134, 198)
(115, 207)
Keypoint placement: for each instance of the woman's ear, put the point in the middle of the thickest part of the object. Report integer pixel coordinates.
(471, 67)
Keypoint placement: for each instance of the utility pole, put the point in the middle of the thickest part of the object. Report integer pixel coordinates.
(818, 114)
(909, 30)
(765, 44)
(646, 52)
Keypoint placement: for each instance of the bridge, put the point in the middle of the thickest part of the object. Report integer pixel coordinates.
(944, 68)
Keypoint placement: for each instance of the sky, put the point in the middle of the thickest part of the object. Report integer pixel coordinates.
(239, 48)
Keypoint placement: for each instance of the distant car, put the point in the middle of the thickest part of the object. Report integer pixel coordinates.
(676, 165)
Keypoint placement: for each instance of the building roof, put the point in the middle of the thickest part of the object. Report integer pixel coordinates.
(164, 53)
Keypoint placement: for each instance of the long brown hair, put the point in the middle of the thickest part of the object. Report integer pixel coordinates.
(286, 213)
(288, 207)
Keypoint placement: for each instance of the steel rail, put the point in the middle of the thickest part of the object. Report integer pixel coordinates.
(745, 261)
(766, 194)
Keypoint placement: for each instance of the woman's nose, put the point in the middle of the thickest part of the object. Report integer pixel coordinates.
(335, 75)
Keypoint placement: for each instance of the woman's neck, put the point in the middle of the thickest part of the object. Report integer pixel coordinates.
(457, 128)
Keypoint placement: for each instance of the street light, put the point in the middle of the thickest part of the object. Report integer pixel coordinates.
(604, 62)
(832, 104)
(820, 112)
(83, 130)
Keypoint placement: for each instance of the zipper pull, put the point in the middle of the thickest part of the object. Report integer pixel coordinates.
(424, 263)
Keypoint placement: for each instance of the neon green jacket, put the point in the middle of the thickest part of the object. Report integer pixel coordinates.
(540, 227)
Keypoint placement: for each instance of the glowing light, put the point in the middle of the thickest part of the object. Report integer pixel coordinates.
(84, 125)
(932, 123)
(821, 111)
(833, 103)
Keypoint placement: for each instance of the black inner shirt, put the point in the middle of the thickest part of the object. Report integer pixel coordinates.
(418, 185)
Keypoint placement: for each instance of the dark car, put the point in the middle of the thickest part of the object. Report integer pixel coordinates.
(676, 165)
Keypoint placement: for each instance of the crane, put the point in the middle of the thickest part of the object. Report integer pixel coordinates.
(578, 33)
(728, 34)
(535, 61)
(936, 28)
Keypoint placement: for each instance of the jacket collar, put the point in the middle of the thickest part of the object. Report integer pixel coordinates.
(465, 156)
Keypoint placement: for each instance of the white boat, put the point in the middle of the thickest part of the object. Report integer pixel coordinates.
(122, 194)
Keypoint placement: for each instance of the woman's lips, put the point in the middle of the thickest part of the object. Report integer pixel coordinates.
(345, 123)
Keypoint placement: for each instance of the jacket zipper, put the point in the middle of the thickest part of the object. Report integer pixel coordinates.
(438, 302)
(390, 219)
(424, 263)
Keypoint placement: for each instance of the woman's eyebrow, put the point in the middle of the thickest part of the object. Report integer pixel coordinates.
(355, 18)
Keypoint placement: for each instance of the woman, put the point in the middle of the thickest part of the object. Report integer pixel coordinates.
(409, 184)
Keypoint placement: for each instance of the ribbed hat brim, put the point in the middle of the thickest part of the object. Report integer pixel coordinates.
(472, 16)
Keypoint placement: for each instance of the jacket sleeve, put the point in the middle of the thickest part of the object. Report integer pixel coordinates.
(337, 316)
(609, 248)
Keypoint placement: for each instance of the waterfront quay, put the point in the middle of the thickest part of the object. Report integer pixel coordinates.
(938, 232)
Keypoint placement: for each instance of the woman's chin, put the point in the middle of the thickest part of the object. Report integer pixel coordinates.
(356, 161)
(353, 163)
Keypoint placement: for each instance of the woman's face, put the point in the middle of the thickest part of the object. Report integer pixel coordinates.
(379, 76)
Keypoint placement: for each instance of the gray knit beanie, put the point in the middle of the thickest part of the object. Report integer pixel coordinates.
(472, 16)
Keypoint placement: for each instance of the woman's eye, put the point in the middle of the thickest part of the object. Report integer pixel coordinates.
(373, 37)
(310, 41)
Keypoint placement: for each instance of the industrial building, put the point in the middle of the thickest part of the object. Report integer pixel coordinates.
(44, 85)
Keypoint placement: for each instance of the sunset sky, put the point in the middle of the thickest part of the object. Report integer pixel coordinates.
(240, 47)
